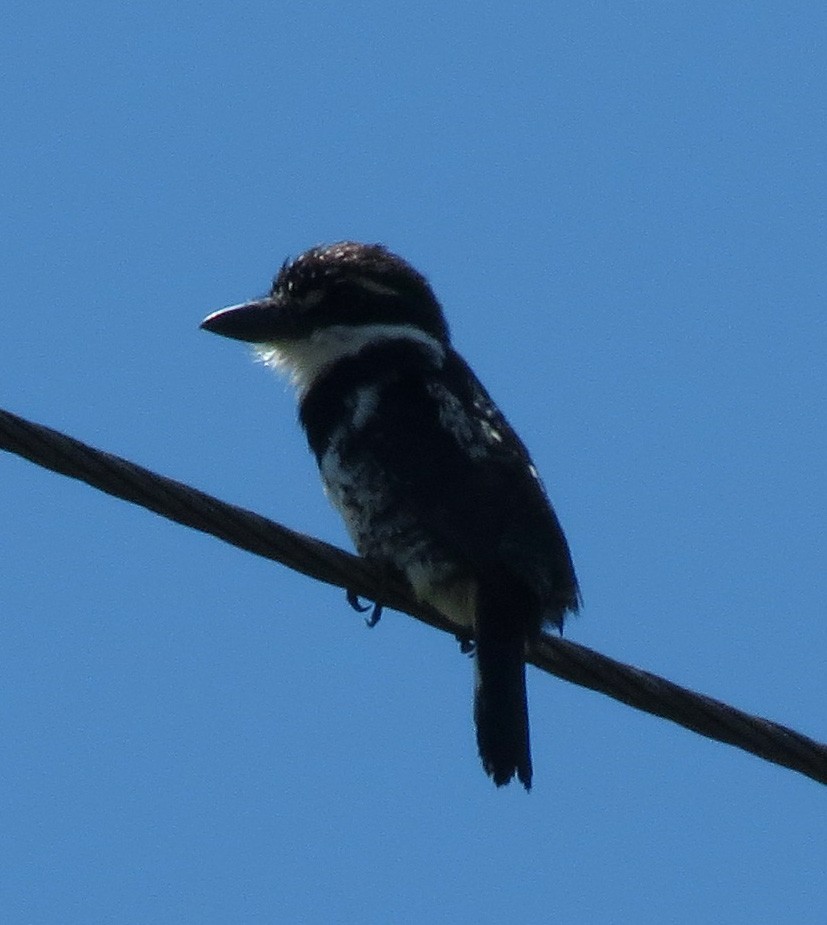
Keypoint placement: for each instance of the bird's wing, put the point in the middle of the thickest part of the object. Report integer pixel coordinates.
(469, 479)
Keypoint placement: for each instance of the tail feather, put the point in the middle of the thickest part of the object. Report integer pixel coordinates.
(500, 702)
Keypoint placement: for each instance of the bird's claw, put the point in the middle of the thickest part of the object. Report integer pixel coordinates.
(353, 600)
(466, 644)
(359, 607)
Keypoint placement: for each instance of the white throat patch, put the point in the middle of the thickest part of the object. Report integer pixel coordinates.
(304, 360)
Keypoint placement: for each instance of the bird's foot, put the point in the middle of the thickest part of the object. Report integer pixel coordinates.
(466, 644)
(359, 607)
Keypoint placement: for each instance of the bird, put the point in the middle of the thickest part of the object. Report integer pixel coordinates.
(432, 482)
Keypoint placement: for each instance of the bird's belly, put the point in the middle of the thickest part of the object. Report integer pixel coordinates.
(383, 526)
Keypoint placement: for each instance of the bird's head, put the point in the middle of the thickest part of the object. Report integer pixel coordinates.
(331, 302)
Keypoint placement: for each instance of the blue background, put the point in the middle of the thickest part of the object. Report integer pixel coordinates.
(622, 207)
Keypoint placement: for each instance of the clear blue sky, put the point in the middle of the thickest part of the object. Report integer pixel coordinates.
(622, 207)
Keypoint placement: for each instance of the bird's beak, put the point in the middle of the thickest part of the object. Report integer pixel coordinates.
(256, 322)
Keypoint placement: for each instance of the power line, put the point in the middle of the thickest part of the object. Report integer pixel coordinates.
(247, 530)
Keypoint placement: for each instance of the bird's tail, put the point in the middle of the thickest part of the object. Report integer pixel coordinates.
(500, 703)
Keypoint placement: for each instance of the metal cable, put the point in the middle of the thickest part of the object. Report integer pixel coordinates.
(247, 530)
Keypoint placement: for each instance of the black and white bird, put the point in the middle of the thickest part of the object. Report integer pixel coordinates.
(428, 475)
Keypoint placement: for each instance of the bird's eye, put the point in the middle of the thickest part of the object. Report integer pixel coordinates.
(365, 282)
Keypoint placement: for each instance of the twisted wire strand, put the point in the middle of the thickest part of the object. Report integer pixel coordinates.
(317, 559)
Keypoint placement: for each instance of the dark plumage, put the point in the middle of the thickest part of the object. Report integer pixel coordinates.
(427, 473)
